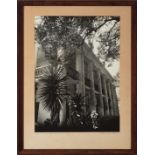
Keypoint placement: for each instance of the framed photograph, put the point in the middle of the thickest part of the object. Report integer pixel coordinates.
(77, 77)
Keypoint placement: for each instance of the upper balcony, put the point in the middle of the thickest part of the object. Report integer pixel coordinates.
(71, 72)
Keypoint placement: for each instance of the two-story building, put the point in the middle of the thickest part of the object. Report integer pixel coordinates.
(89, 77)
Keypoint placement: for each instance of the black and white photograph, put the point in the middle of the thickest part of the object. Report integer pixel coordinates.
(77, 73)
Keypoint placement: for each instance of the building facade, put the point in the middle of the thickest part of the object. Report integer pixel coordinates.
(86, 76)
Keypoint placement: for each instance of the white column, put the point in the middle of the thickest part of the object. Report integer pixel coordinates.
(110, 97)
(80, 69)
(106, 95)
(93, 102)
(101, 110)
(115, 101)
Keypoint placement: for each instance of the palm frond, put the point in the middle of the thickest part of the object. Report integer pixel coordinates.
(52, 88)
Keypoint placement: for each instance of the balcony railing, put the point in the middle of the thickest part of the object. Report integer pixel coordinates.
(71, 72)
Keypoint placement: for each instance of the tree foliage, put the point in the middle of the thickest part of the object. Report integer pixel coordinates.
(110, 42)
(117, 79)
(54, 32)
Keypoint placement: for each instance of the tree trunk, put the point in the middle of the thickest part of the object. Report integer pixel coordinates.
(62, 115)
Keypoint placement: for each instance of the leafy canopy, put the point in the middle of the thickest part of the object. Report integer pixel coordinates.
(54, 32)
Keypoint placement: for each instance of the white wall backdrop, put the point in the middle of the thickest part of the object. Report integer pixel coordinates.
(8, 78)
(146, 76)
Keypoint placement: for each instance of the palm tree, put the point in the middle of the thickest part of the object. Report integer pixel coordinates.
(51, 93)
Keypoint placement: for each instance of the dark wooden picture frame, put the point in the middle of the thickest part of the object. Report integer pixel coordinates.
(20, 55)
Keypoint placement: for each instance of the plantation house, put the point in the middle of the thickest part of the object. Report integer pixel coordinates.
(88, 76)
